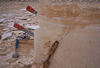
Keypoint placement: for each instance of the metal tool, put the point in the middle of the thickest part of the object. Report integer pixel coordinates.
(16, 55)
(30, 9)
(23, 29)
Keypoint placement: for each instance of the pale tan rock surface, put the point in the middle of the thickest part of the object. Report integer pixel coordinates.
(79, 49)
(75, 25)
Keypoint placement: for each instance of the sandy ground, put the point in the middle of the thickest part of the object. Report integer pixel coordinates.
(76, 26)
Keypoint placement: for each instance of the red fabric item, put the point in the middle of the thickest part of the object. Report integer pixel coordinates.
(30, 9)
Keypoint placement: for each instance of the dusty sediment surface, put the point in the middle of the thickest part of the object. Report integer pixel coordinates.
(79, 26)
(75, 25)
(79, 49)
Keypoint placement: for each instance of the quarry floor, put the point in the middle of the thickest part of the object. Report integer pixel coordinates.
(78, 33)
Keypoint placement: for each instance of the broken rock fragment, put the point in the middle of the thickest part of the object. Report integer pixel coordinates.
(2, 20)
(32, 26)
(6, 35)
